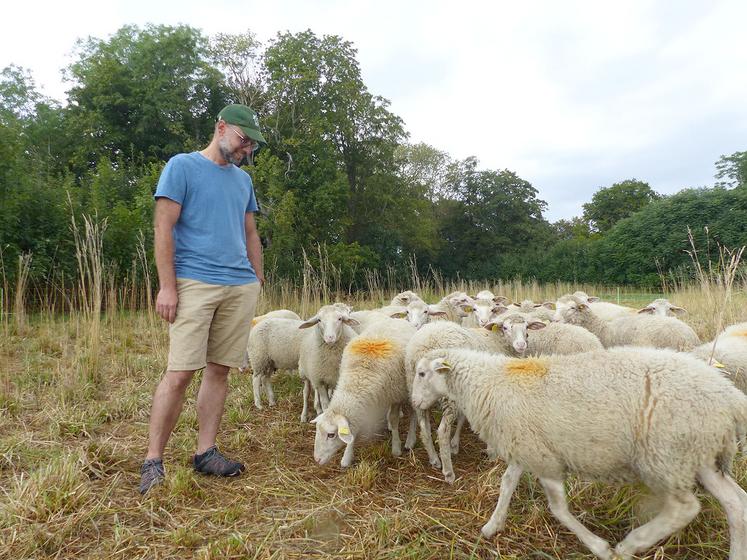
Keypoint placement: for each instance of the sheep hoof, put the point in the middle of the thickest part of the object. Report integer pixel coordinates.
(436, 463)
(396, 451)
(488, 531)
(454, 447)
(304, 419)
(258, 406)
(449, 477)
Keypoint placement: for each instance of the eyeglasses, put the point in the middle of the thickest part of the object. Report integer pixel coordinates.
(245, 142)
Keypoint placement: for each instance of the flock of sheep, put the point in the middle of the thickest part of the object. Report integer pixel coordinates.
(577, 386)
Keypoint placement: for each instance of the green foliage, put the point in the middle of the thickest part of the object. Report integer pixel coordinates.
(611, 204)
(732, 170)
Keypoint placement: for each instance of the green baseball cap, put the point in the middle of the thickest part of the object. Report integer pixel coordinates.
(245, 118)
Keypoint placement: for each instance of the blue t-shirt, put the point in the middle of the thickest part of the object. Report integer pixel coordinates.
(210, 235)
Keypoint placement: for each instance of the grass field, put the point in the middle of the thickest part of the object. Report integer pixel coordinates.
(75, 393)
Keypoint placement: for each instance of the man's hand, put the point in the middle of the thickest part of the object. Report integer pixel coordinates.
(166, 303)
(261, 278)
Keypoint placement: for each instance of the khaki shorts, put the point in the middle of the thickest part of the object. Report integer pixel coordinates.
(212, 324)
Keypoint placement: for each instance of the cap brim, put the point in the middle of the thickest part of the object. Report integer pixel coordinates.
(255, 135)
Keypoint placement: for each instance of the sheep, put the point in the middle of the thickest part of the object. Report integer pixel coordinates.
(606, 311)
(728, 355)
(321, 351)
(443, 334)
(610, 415)
(637, 330)
(278, 313)
(273, 344)
(457, 305)
(418, 313)
(371, 386)
(404, 298)
(366, 317)
(542, 311)
(552, 338)
(663, 308)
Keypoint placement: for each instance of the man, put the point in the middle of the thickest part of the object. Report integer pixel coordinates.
(209, 261)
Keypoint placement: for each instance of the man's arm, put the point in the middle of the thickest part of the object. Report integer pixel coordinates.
(167, 213)
(254, 246)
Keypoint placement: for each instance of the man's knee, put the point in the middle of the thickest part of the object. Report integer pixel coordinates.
(179, 380)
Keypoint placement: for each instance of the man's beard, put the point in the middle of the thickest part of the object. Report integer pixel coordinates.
(228, 155)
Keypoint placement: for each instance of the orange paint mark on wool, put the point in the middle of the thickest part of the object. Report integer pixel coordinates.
(375, 348)
(739, 333)
(254, 322)
(527, 366)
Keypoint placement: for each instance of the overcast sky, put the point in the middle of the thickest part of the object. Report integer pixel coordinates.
(570, 95)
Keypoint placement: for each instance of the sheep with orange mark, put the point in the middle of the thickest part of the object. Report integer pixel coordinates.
(610, 415)
(728, 353)
(370, 391)
(321, 351)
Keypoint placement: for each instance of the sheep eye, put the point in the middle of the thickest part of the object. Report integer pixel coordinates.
(339, 318)
(421, 374)
(331, 435)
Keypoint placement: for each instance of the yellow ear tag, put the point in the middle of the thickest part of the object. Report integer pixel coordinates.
(468, 309)
(495, 328)
(447, 364)
(716, 364)
(343, 430)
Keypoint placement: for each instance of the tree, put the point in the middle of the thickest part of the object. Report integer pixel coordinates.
(609, 205)
(143, 95)
(732, 170)
(239, 57)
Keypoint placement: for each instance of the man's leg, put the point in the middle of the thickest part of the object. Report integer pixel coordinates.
(167, 405)
(211, 399)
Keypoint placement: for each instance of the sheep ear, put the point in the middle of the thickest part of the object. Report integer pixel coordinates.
(499, 308)
(441, 366)
(399, 315)
(436, 312)
(515, 304)
(310, 323)
(500, 299)
(649, 310)
(549, 305)
(536, 325)
(343, 430)
(491, 326)
(350, 321)
(592, 299)
(582, 307)
(678, 310)
(315, 420)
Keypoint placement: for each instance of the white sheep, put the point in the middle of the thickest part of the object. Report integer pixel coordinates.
(404, 298)
(486, 309)
(273, 344)
(636, 330)
(605, 310)
(277, 313)
(545, 339)
(321, 352)
(542, 311)
(728, 352)
(663, 307)
(444, 334)
(611, 415)
(371, 388)
(419, 313)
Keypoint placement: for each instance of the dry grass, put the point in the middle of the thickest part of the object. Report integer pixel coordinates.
(70, 452)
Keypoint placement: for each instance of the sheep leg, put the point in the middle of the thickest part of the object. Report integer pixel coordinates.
(412, 431)
(559, 507)
(679, 509)
(321, 390)
(393, 419)
(734, 501)
(269, 391)
(461, 418)
(257, 386)
(306, 391)
(444, 442)
(317, 402)
(424, 420)
(347, 457)
(509, 482)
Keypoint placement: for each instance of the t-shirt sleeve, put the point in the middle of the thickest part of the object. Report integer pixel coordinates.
(173, 182)
(251, 206)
